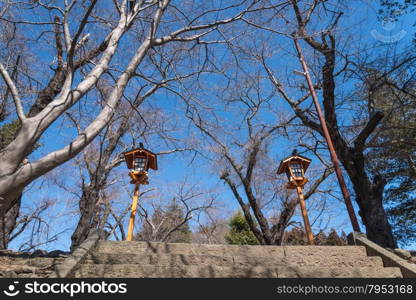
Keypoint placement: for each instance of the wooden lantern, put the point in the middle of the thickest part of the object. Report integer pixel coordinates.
(294, 167)
(139, 161)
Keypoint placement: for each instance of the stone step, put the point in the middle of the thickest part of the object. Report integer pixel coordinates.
(24, 271)
(153, 271)
(36, 261)
(236, 260)
(278, 252)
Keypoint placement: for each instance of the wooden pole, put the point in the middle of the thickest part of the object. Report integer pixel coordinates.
(305, 215)
(133, 212)
(334, 157)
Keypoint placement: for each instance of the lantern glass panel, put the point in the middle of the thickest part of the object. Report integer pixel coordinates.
(140, 164)
(296, 169)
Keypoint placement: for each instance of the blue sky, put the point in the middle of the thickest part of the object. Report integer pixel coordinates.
(361, 21)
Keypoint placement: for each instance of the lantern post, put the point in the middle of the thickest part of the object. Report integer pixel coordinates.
(133, 211)
(295, 166)
(302, 204)
(139, 160)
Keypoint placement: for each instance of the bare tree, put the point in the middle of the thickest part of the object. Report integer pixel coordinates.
(242, 153)
(211, 233)
(350, 145)
(98, 161)
(157, 23)
(21, 223)
(168, 221)
(95, 190)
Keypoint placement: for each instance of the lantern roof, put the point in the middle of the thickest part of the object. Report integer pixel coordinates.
(284, 164)
(141, 152)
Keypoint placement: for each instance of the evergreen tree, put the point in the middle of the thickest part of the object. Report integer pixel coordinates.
(239, 231)
(8, 133)
(333, 239)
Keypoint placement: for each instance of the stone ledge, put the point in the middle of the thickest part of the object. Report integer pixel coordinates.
(67, 268)
(389, 259)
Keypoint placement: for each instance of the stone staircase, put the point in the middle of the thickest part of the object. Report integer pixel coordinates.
(24, 265)
(163, 260)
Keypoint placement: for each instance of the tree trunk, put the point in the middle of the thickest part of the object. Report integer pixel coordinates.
(369, 197)
(8, 223)
(376, 223)
(283, 221)
(88, 207)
